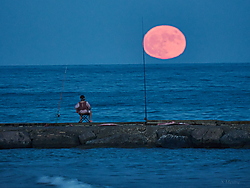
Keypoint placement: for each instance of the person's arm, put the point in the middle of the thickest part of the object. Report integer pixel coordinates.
(88, 105)
(76, 107)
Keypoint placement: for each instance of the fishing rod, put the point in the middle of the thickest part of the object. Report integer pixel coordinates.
(58, 114)
(144, 66)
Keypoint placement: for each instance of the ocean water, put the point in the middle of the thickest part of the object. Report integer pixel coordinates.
(184, 91)
(116, 93)
(124, 168)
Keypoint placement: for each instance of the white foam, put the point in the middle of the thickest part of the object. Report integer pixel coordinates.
(61, 182)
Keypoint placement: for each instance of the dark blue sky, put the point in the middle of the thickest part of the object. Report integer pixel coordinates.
(52, 32)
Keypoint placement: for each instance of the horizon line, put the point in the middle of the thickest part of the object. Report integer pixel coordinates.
(119, 64)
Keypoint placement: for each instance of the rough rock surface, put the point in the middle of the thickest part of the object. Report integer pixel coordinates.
(207, 136)
(14, 139)
(236, 139)
(86, 137)
(54, 138)
(181, 134)
(54, 141)
(173, 141)
(119, 140)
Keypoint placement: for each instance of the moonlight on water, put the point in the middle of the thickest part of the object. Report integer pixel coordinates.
(164, 42)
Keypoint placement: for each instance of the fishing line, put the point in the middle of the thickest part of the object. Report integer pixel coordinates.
(144, 66)
(58, 114)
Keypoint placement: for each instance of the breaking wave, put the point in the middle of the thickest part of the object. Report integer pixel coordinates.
(62, 182)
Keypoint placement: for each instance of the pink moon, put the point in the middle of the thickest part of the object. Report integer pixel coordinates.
(164, 42)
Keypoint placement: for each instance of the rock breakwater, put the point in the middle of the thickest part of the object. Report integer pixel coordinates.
(166, 134)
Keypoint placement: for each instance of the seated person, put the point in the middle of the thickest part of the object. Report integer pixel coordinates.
(83, 108)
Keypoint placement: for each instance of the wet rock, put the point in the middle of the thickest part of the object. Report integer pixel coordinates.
(119, 140)
(161, 132)
(236, 139)
(83, 138)
(207, 137)
(181, 130)
(55, 141)
(174, 141)
(203, 134)
(14, 139)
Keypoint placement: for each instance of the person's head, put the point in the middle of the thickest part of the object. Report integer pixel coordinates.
(82, 97)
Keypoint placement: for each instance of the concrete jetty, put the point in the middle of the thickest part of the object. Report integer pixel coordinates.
(155, 133)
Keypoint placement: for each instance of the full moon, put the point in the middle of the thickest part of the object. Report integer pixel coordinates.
(164, 42)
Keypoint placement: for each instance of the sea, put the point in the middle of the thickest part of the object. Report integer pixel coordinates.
(125, 93)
